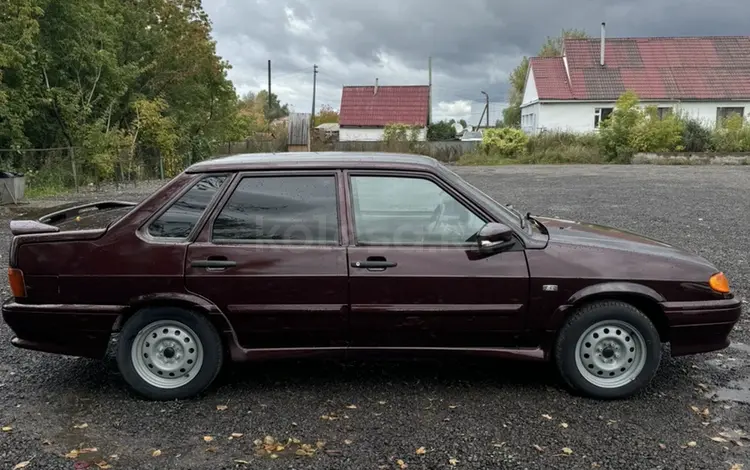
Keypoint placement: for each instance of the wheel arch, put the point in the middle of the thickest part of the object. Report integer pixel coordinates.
(187, 301)
(644, 298)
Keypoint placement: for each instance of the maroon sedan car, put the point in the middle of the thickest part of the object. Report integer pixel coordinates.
(344, 254)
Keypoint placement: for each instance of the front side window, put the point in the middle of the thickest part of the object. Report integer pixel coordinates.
(409, 211)
(280, 209)
(724, 113)
(180, 219)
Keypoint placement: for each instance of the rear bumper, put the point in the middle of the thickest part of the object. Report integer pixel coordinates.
(73, 330)
(698, 327)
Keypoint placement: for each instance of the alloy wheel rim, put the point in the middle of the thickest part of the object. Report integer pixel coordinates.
(167, 354)
(610, 354)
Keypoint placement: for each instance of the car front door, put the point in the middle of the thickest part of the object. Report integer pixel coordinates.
(271, 257)
(413, 280)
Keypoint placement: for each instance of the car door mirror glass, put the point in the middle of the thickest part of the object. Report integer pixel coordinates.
(494, 237)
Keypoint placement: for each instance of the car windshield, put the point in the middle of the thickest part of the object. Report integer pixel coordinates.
(510, 216)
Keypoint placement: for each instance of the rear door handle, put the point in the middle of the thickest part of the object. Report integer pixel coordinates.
(213, 263)
(373, 264)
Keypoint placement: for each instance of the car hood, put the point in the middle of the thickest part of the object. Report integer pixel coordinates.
(596, 236)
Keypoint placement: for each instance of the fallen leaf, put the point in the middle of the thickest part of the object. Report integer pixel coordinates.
(208, 438)
(347, 441)
(103, 465)
(662, 446)
(320, 444)
(538, 447)
(703, 386)
(240, 461)
(452, 461)
(547, 416)
(705, 412)
(156, 453)
(381, 402)
(23, 464)
(611, 422)
(258, 442)
(452, 407)
(274, 456)
(73, 454)
(211, 449)
(237, 435)
(692, 444)
(46, 442)
(737, 466)
(279, 448)
(567, 450)
(695, 408)
(401, 464)
(7, 428)
(81, 426)
(718, 439)
(88, 450)
(421, 451)
(498, 445)
(564, 425)
(221, 407)
(595, 465)
(352, 407)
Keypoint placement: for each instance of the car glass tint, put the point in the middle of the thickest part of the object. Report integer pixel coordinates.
(410, 211)
(300, 209)
(180, 219)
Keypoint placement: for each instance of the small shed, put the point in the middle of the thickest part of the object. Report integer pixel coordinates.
(298, 132)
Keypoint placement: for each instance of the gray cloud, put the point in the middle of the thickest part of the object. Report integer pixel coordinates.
(475, 44)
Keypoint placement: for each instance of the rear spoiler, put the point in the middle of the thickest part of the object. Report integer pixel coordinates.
(45, 223)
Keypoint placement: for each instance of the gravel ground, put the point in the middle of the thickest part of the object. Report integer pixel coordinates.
(483, 414)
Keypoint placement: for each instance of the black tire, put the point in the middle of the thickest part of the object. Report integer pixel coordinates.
(212, 354)
(577, 325)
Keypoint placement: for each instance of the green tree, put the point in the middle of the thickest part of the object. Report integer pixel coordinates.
(326, 115)
(442, 130)
(552, 47)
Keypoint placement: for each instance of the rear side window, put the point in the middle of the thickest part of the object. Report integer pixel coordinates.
(180, 219)
(281, 209)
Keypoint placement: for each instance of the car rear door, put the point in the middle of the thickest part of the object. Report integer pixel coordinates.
(413, 281)
(272, 257)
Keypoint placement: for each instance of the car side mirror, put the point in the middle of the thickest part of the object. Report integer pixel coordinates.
(494, 237)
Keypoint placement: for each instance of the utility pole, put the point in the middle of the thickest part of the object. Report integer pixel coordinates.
(429, 109)
(312, 115)
(487, 109)
(269, 84)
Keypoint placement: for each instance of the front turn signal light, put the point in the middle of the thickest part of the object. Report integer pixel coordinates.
(17, 283)
(719, 283)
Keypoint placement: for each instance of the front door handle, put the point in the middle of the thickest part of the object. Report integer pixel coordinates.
(373, 264)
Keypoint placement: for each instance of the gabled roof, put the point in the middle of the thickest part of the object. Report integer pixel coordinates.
(363, 106)
(676, 68)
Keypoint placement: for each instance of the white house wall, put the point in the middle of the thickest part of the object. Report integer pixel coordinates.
(529, 92)
(579, 117)
(371, 134)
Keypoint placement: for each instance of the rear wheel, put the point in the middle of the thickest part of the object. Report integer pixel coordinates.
(608, 349)
(168, 353)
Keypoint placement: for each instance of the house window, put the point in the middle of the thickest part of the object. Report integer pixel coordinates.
(723, 113)
(600, 114)
(663, 112)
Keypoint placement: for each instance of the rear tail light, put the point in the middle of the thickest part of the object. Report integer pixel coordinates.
(17, 284)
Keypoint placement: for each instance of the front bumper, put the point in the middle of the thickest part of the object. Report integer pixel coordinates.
(698, 327)
(73, 330)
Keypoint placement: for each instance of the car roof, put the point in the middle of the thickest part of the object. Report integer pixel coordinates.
(316, 160)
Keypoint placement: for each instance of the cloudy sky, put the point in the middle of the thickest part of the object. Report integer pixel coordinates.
(474, 44)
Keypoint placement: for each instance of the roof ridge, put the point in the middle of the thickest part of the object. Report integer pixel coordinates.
(386, 86)
(626, 38)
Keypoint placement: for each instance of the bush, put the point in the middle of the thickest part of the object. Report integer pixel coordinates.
(617, 131)
(657, 135)
(505, 142)
(563, 147)
(732, 135)
(695, 137)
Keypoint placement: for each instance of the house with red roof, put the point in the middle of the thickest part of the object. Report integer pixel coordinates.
(366, 110)
(706, 78)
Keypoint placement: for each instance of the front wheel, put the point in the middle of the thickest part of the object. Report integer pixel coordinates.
(608, 350)
(169, 353)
